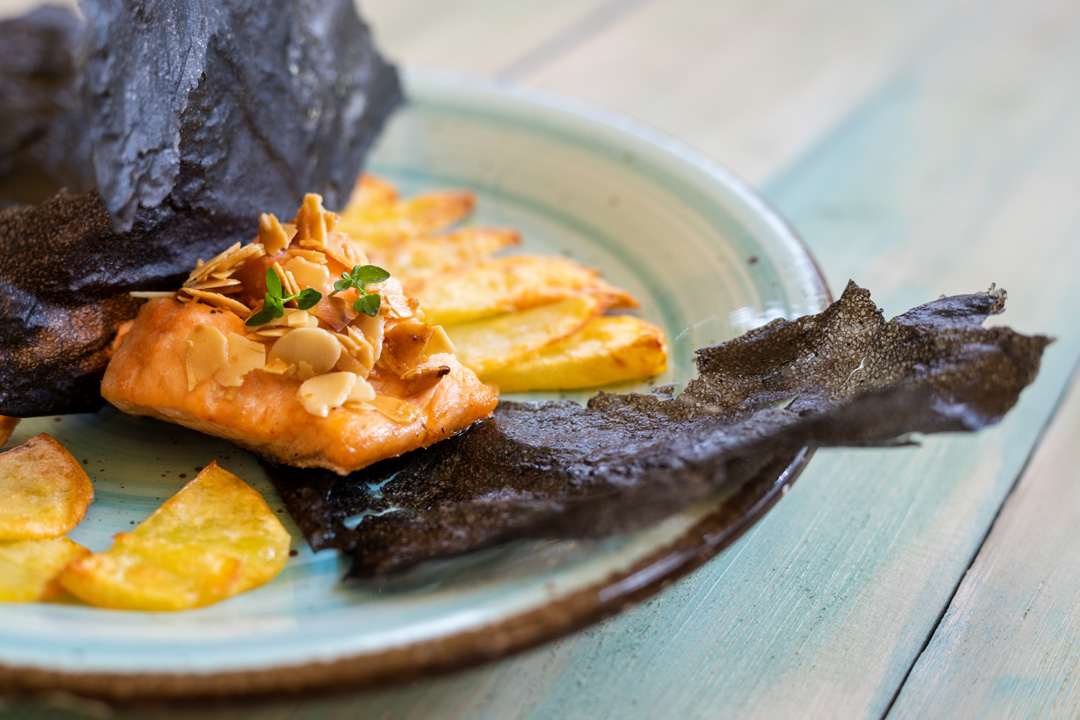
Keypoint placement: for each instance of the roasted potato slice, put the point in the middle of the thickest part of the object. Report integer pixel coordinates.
(492, 343)
(379, 224)
(7, 426)
(44, 490)
(370, 191)
(608, 349)
(215, 538)
(512, 283)
(220, 511)
(29, 568)
(420, 259)
(152, 573)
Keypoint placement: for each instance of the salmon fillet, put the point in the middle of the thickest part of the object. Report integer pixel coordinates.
(150, 374)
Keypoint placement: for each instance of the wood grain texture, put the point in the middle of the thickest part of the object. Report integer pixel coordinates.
(920, 149)
(477, 36)
(752, 84)
(1009, 646)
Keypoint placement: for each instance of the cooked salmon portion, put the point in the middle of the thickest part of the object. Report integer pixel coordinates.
(336, 384)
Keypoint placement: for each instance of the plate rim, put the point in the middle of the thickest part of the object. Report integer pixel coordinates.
(535, 626)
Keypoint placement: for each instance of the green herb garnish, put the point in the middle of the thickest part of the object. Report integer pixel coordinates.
(359, 278)
(274, 302)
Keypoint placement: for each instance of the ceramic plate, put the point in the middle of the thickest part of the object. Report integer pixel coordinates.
(706, 256)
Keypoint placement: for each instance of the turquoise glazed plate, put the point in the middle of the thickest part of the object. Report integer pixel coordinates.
(706, 256)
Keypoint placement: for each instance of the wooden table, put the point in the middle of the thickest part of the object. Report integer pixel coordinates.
(920, 147)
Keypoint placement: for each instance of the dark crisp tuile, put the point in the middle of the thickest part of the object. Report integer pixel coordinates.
(200, 116)
(844, 377)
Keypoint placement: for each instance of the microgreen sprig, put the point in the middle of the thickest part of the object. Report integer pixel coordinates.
(360, 277)
(274, 302)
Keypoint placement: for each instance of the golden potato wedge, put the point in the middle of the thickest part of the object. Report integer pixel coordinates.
(219, 511)
(608, 349)
(416, 260)
(492, 343)
(29, 568)
(7, 426)
(152, 573)
(44, 490)
(370, 191)
(512, 283)
(380, 224)
(215, 538)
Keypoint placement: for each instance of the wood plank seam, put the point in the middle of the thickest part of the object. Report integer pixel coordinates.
(1058, 404)
(577, 33)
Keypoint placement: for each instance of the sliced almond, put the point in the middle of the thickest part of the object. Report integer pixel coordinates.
(207, 354)
(405, 344)
(202, 269)
(346, 259)
(151, 294)
(271, 234)
(304, 371)
(310, 220)
(322, 393)
(293, 317)
(310, 255)
(244, 356)
(270, 332)
(215, 284)
(291, 284)
(331, 219)
(308, 274)
(228, 259)
(218, 300)
(350, 345)
(288, 282)
(300, 318)
(314, 346)
(371, 329)
(335, 312)
(278, 367)
(361, 392)
(424, 378)
(399, 305)
(349, 363)
(439, 342)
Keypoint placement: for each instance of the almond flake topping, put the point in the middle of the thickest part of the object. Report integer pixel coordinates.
(272, 235)
(226, 261)
(217, 300)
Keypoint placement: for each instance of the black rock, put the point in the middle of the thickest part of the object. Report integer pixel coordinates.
(199, 116)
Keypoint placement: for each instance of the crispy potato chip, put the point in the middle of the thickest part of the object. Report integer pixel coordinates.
(7, 426)
(608, 349)
(422, 258)
(153, 573)
(512, 283)
(44, 489)
(492, 343)
(379, 224)
(29, 568)
(215, 538)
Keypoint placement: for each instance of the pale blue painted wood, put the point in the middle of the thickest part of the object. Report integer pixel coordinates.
(1009, 646)
(958, 172)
